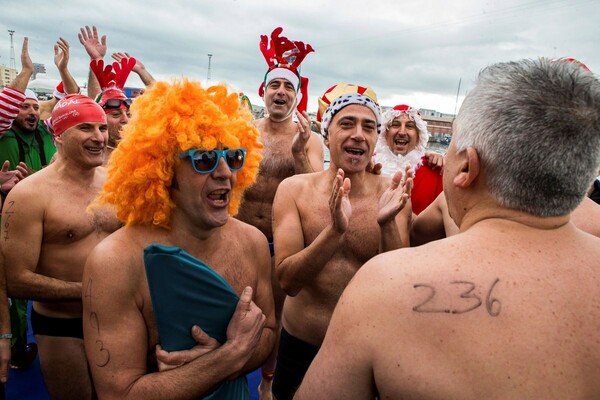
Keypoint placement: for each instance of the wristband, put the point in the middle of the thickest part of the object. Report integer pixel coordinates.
(5, 335)
(267, 376)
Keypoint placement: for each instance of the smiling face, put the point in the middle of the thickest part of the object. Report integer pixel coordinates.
(29, 116)
(84, 143)
(351, 138)
(116, 120)
(402, 135)
(280, 98)
(203, 199)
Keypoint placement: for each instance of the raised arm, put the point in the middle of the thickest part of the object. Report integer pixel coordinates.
(394, 215)
(112, 304)
(22, 231)
(61, 60)
(307, 148)
(96, 49)
(139, 68)
(429, 224)
(13, 95)
(295, 264)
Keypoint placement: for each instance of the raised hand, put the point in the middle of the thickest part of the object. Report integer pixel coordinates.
(26, 63)
(435, 160)
(339, 202)
(95, 48)
(61, 54)
(394, 199)
(138, 64)
(301, 138)
(8, 179)
(169, 360)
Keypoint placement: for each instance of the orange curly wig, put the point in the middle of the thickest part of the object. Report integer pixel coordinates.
(168, 119)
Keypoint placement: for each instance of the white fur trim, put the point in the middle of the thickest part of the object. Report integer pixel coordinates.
(392, 163)
(283, 73)
(30, 95)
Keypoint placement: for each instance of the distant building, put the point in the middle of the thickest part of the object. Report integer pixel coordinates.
(38, 69)
(7, 75)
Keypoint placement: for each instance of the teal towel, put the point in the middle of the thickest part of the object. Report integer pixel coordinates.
(186, 292)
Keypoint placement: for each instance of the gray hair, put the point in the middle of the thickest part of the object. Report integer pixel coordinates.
(536, 127)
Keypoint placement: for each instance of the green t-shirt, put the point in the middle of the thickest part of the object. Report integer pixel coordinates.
(10, 149)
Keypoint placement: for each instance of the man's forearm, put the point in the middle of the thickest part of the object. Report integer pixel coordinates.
(145, 76)
(301, 163)
(22, 80)
(391, 238)
(93, 88)
(299, 269)
(32, 286)
(68, 81)
(192, 380)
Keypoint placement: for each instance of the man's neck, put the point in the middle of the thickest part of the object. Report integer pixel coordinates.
(22, 131)
(275, 127)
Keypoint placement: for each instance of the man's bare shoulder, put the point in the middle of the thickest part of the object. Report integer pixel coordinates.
(298, 181)
(249, 232)
(587, 217)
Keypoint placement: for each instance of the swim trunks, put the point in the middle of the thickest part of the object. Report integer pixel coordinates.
(293, 360)
(52, 326)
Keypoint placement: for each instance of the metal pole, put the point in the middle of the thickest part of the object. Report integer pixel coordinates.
(208, 76)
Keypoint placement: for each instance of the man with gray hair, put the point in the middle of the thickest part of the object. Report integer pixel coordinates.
(509, 307)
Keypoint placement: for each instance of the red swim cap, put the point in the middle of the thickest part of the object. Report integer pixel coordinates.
(75, 109)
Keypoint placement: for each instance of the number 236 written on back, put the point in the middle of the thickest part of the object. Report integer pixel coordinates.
(469, 300)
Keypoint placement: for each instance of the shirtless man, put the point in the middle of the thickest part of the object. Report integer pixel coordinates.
(327, 224)
(289, 148)
(508, 308)
(196, 170)
(47, 235)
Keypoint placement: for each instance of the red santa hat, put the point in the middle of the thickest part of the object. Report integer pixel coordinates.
(284, 58)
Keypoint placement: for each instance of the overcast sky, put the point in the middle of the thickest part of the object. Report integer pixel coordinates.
(412, 52)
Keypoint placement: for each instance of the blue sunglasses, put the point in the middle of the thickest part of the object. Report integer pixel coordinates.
(206, 161)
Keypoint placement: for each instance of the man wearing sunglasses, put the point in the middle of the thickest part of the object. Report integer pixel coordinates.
(178, 303)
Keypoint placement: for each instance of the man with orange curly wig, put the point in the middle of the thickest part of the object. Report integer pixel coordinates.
(178, 303)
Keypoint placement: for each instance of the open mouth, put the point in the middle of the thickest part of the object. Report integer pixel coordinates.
(219, 197)
(400, 141)
(279, 102)
(95, 149)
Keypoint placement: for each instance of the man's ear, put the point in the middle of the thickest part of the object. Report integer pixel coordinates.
(469, 168)
(326, 139)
